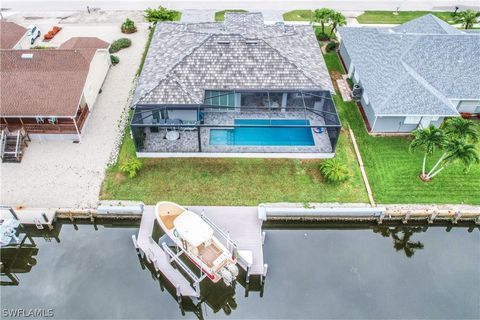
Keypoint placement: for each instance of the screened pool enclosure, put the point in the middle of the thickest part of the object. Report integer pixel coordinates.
(240, 122)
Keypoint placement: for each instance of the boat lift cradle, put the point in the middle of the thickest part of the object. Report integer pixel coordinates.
(162, 257)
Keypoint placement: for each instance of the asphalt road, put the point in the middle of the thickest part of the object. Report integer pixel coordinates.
(264, 5)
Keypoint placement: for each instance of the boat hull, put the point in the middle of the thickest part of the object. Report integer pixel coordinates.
(166, 223)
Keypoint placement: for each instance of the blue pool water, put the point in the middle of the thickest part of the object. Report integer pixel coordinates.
(264, 136)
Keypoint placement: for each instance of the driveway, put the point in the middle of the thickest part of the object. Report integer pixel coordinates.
(66, 174)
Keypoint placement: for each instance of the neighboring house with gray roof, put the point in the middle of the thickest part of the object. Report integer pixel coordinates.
(413, 75)
(210, 75)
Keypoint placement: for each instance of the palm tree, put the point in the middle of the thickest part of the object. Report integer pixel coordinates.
(338, 20)
(455, 150)
(428, 139)
(461, 128)
(322, 16)
(403, 243)
(467, 18)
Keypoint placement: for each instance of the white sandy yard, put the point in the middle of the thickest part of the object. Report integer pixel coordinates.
(65, 174)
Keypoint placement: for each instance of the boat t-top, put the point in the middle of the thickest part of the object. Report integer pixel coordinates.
(195, 236)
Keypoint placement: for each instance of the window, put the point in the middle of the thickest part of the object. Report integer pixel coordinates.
(220, 98)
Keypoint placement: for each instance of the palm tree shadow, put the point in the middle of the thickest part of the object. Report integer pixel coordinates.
(401, 237)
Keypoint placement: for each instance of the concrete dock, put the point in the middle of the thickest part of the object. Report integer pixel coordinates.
(242, 225)
(38, 217)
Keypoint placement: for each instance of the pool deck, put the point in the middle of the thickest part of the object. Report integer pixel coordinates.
(188, 142)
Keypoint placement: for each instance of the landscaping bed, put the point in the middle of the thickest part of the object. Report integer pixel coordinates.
(393, 171)
(389, 17)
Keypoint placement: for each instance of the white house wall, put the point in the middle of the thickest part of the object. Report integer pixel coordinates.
(390, 124)
(96, 75)
(23, 44)
(468, 106)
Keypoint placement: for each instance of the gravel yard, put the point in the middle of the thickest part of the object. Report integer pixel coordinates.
(66, 174)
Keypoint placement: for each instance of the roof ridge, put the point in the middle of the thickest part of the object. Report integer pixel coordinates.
(174, 78)
(193, 49)
(426, 84)
(290, 62)
(443, 25)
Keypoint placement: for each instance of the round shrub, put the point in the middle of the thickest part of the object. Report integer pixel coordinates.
(331, 46)
(114, 59)
(321, 36)
(333, 170)
(128, 26)
(131, 167)
(120, 44)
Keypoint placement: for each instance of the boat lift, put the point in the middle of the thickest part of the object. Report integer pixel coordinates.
(163, 253)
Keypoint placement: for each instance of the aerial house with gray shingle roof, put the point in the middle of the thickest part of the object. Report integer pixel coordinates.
(413, 75)
(237, 88)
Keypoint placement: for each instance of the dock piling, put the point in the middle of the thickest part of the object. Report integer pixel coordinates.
(264, 234)
(406, 217)
(247, 275)
(179, 295)
(264, 275)
(134, 239)
(433, 216)
(458, 215)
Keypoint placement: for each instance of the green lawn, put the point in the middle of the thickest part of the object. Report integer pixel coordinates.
(298, 15)
(393, 171)
(389, 17)
(197, 181)
(220, 15)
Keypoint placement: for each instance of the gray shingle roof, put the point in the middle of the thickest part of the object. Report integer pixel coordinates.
(242, 53)
(415, 73)
(429, 24)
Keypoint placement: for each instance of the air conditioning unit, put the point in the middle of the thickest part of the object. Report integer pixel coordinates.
(357, 92)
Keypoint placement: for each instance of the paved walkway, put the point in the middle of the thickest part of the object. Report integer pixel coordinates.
(62, 173)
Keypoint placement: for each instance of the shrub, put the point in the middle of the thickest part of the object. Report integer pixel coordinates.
(120, 44)
(321, 36)
(334, 170)
(128, 26)
(161, 14)
(114, 59)
(331, 46)
(131, 167)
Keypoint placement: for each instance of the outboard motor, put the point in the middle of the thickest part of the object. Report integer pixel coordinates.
(233, 269)
(227, 276)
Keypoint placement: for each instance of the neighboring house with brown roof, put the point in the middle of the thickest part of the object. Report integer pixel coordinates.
(51, 92)
(13, 36)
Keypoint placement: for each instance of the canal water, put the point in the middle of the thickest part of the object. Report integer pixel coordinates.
(313, 273)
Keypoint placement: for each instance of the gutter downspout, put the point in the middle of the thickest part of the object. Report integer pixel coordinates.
(78, 131)
(373, 126)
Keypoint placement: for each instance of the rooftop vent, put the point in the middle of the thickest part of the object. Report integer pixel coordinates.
(252, 42)
(223, 42)
(27, 56)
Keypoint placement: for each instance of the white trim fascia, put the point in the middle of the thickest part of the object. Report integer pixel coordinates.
(417, 115)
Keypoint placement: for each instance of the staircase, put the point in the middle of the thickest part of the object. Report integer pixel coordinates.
(12, 145)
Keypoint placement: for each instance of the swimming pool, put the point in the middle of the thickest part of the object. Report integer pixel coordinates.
(264, 136)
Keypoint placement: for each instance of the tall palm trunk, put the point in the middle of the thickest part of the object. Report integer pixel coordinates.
(423, 164)
(436, 164)
(430, 176)
(334, 26)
